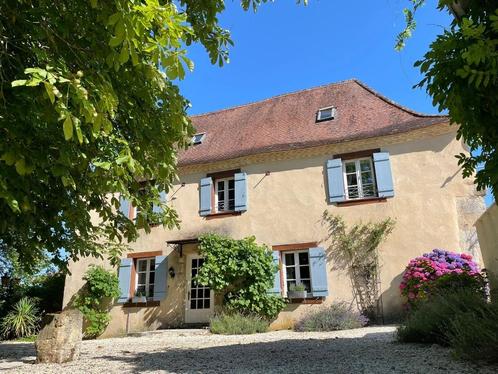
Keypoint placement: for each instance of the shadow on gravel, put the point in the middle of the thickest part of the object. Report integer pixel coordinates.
(373, 353)
(17, 352)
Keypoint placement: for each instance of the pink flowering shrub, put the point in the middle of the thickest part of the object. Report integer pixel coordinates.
(425, 271)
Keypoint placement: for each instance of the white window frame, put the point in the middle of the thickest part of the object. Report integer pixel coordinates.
(319, 113)
(358, 178)
(201, 138)
(297, 267)
(226, 199)
(147, 275)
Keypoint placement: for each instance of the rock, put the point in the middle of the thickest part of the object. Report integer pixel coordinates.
(60, 340)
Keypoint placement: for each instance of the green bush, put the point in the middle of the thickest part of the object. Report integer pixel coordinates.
(22, 321)
(334, 317)
(430, 321)
(237, 324)
(474, 335)
(242, 272)
(96, 298)
(462, 320)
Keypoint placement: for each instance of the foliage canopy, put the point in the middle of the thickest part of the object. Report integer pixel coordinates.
(88, 108)
(461, 75)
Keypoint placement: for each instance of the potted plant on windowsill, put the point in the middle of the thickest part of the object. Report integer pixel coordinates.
(139, 297)
(297, 291)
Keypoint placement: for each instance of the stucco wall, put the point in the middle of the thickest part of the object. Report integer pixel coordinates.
(286, 207)
(487, 231)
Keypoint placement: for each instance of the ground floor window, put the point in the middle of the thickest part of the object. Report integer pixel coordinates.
(297, 269)
(145, 268)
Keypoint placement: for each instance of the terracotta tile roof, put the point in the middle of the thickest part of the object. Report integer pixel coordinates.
(289, 122)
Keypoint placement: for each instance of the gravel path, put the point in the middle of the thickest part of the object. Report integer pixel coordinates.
(366, 350)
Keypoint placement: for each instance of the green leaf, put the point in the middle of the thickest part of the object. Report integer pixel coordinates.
(10, 158)
(115, 41)
(124, 55)
(50, 91)
(20, 82)
(68, 128)
(22, 168)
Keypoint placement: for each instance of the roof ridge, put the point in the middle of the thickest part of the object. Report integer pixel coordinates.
(355, 80)
(394, 103)
(274, 97)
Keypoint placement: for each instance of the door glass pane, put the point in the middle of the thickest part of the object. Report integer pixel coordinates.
(152, 264)
(207, 303)
(141, 289)
(151, 290)
(193, 304)
(200, 304)
(151, 277)
(307, 284)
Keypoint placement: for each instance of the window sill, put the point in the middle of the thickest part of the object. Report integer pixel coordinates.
(151, 303)
(223, 214)
(308, 300)
(368, 200)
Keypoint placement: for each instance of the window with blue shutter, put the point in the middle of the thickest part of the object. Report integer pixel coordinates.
(205, 195)
(163, 197)
(124, 277)
(335, 180)
(383, 174)
(318, 266)
(276, 290)
(240, 192)
(161, 278)
(124, 206)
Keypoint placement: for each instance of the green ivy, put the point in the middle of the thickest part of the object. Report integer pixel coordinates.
(242, 272)
(96, 298)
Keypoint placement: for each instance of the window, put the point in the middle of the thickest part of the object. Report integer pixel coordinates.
(297, 269)
(325, 114)
(359, 178)
(145, 268)
(198, 138)
(225, 194)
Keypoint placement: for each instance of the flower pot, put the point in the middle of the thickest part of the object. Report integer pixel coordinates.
(297, 294)
(139, 299)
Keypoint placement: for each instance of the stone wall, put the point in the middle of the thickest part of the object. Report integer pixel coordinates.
(487, 231)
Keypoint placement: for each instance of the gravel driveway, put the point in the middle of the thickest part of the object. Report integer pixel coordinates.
(366, 350)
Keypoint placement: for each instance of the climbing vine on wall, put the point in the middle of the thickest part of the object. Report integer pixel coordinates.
(242, 272)
(356, 250)
(95, 299)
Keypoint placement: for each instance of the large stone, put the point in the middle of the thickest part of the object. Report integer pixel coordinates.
(60, 340)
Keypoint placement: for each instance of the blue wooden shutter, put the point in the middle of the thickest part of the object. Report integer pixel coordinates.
(240, 192)
(124, 206)
(163, 197)
(335, 180)
(276, 290)
(124, 276)
(383, 174)
(161, 278)
(318, 267)
(205, 192)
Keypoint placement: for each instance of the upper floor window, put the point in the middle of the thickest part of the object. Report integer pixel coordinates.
(297, 269)
(198, 138)
(145, 268)
(324, 114)
(225, 194)
(359, 178)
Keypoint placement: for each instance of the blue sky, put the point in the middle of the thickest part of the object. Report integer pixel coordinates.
(285, 47)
